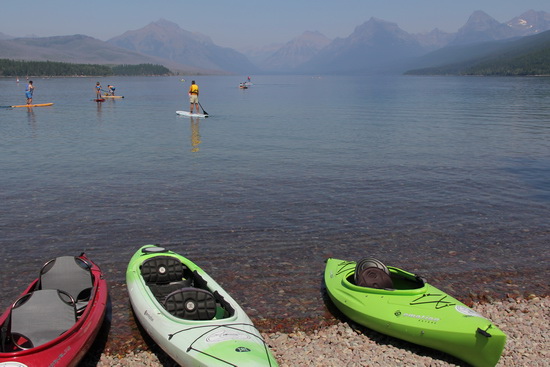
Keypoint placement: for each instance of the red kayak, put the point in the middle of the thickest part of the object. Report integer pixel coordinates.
(56, 319)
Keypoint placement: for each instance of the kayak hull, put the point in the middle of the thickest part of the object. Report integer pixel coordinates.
(189, 114)
(70, 347)
(416, 312)
(228, 339)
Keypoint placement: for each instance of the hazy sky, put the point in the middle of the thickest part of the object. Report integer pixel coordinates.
(243, 23)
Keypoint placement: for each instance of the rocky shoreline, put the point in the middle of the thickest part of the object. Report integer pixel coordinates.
(525, 321)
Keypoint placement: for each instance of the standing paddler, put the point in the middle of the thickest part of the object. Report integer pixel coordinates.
(29, 91)
(194, 97)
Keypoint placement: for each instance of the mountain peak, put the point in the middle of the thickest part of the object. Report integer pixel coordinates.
(379, 31)
(480, 21)
(166, 29)
(165, 39)
(165, 23)
(376, 45)
(377, 23)
(315, 38)
(530, 22)
(297, 51)
(434, 39)
(481, 27)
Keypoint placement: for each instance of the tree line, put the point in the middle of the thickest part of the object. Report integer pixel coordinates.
(14, 68)
(140, 69)
(537, 63)
(523, 57)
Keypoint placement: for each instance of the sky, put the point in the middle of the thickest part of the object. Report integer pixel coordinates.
(241, 24)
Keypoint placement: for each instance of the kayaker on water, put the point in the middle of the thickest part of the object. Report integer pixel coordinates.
(29, 91)
(194, 97)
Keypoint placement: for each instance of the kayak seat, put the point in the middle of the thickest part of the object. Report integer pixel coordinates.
(164, 275)
(39, 317)
(70, 274)
(191, 304)
(201, 283)
(372, 273)
(162, 270)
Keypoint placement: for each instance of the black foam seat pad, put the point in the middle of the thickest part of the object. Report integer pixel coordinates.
(191, 304)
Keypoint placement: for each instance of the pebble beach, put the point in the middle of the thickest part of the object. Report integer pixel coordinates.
(525, 321)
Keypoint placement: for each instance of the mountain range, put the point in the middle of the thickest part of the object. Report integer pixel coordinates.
(79, 49)
(373, 47)
(529, 55)
(166, 40)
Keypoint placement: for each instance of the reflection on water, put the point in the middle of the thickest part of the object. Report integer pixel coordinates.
(195, 134)
(99, 111)
(31, 117)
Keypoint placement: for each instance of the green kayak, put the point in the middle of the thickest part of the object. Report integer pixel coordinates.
(400, 304)
(189, 315)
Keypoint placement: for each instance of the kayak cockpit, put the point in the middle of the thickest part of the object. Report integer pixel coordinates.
(370, 275)
(405, 280)
(51, 307)
(182, 292)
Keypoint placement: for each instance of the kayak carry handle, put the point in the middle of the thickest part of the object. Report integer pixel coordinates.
(484, 332)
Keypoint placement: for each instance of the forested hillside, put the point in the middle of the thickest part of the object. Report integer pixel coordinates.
(535, 63)
(525, 56)
(14, 68)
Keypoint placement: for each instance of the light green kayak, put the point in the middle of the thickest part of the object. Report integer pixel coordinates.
(189, 315)
(400, 304)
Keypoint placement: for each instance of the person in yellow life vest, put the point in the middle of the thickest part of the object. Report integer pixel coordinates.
(194, 97)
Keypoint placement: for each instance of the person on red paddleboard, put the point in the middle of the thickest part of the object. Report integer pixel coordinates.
(98, 91)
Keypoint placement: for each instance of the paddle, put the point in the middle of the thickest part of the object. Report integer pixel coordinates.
(5, 106)
(203, 111)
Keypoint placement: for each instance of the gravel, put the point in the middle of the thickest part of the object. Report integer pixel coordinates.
(524, 320)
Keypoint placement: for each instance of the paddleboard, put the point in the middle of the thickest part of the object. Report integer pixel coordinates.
(34, 105)
(99, 100)
(186, 113)
(113, 96)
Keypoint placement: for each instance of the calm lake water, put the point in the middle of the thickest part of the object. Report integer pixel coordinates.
(448, 177)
